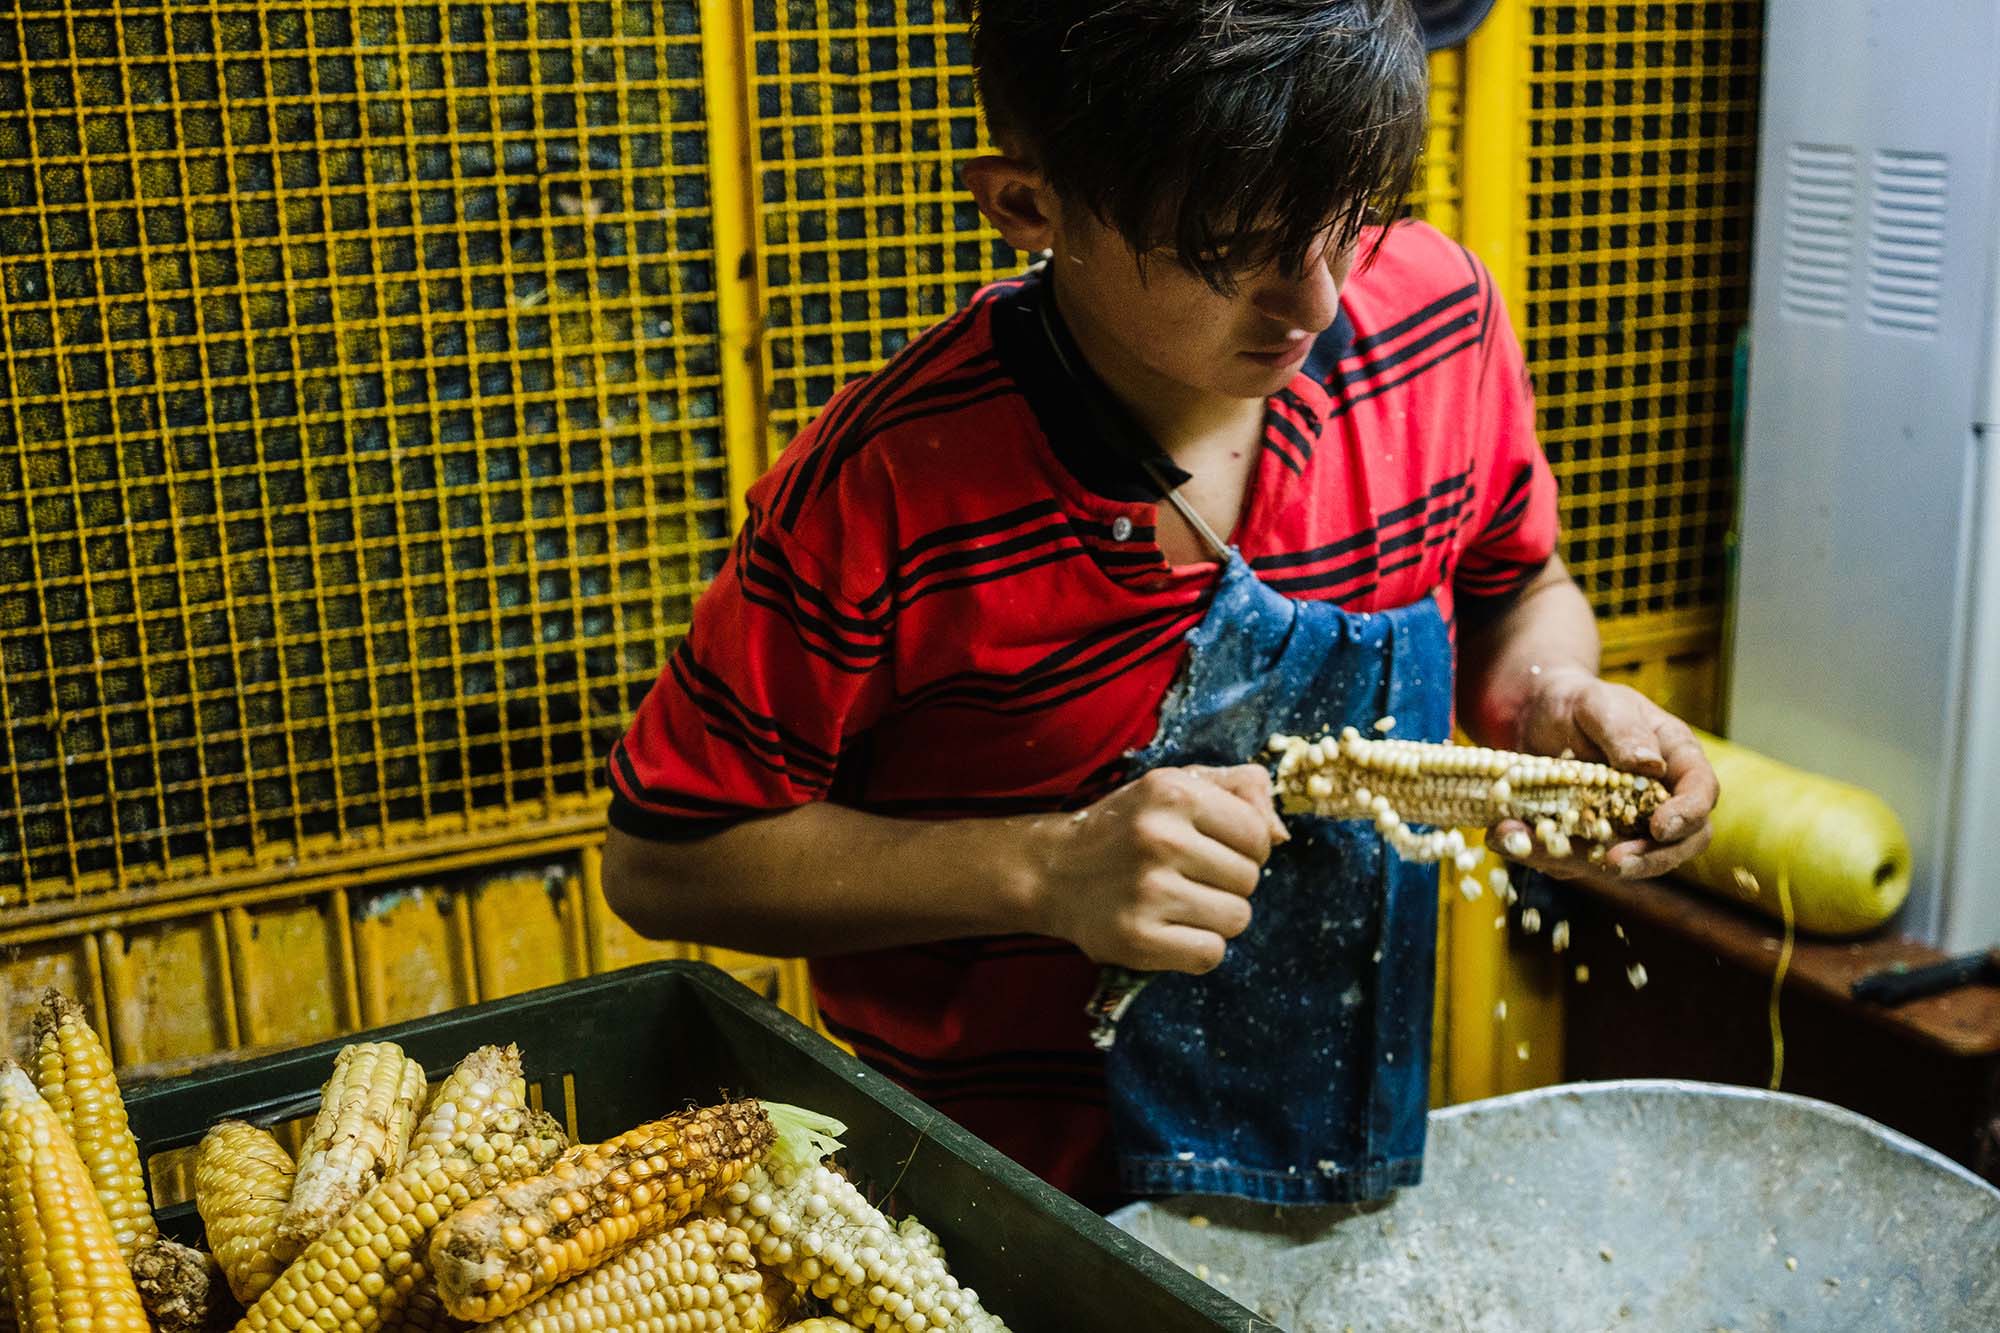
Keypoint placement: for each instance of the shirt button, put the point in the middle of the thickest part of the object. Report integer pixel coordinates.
(1121, 529)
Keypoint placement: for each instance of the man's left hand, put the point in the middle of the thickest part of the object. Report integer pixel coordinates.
(1572, 709)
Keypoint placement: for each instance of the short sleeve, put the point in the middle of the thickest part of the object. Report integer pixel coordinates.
(1515, 527)
(779, 672)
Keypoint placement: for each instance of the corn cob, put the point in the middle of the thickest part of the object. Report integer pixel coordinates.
(73, 1073)
(1400, 783)
(366, 1112)
(699, 1277)
(63, 1266)
(177, 1285)
(359, 1274)
(495, 1257)
(811, 1224)
(423, 1311)
(242, 1179)
(489, 1077)
(182, 1289)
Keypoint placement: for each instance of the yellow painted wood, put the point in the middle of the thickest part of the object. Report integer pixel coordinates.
(283, 959)
(520, 933)
(166, 991)
(412, 954)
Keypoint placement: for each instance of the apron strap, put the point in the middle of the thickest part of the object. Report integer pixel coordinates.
(1216, 546)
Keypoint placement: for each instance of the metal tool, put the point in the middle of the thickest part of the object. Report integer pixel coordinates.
(1895, 985)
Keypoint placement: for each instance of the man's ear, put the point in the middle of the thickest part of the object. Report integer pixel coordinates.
(1014, 199)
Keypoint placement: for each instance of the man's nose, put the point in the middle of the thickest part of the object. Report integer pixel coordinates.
(1308, 299)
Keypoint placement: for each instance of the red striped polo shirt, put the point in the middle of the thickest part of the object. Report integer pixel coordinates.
(947, 602)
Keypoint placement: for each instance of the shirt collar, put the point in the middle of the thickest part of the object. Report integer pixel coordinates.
(1091, 433)
(1094, 435)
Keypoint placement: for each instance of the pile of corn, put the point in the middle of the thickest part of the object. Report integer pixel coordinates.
(1570, 805)
(415, 1209)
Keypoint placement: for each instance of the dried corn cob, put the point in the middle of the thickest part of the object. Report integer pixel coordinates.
(73, 1074)
(1399, 783)
(357, 1276)
(423, 1311)
(487, 1077)
(696, 1278)
(181, 1288)
(242, 1180)
(811, 1224)
(495, 1257)
(62, 1261)
(360, 1135)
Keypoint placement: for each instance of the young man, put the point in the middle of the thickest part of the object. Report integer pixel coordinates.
(938, 724)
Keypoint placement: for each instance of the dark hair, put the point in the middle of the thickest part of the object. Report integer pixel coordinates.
(1226, 132)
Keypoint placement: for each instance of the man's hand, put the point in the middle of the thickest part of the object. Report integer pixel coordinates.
(1572, 709)
(1158, 875)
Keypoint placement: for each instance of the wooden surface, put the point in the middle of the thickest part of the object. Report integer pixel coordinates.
(1963, 1022)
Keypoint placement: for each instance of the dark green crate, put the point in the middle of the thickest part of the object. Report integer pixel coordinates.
(626, 1047)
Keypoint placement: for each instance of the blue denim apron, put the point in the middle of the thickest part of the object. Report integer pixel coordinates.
(1299, 1070)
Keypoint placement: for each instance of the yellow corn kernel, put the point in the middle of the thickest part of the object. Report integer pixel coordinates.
(700, 1277)
(503, 1252)
(73, 1073)
(242, 1181)
(820, 1324)
(360, 1135)
(63, 1267)
(489, 1077)
(1571, 805)
(360, 1274)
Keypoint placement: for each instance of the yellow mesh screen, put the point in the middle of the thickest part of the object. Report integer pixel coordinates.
(863, 112)
(1643, 121)
(358, 460)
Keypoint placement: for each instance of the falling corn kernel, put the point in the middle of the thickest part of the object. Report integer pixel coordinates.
(1517, 844)
(1582, 974)
(1531, 920)
(1500, 1012)
(1385, 725)
(1559, 937)
(1746, 883)
(1604, 1253)
(1620, 930)
(1791, 1263)
(1470, 888)
(1499, 881)
(1500, 922)
(1636, 974)
(1521, 1051)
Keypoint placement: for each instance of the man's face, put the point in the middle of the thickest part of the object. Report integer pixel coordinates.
(1157, 317)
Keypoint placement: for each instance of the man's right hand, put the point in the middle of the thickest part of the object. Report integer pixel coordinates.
(1158, 875)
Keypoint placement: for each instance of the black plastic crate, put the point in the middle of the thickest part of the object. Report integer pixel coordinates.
(612, 1051)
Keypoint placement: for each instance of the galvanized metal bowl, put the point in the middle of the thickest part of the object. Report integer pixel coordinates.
(1644, 1204)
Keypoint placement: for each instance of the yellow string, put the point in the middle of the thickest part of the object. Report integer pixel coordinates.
(1778, 977)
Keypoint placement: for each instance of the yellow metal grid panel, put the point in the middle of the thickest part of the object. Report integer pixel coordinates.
(863, 111)
(358, 461)
(1642, 120)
